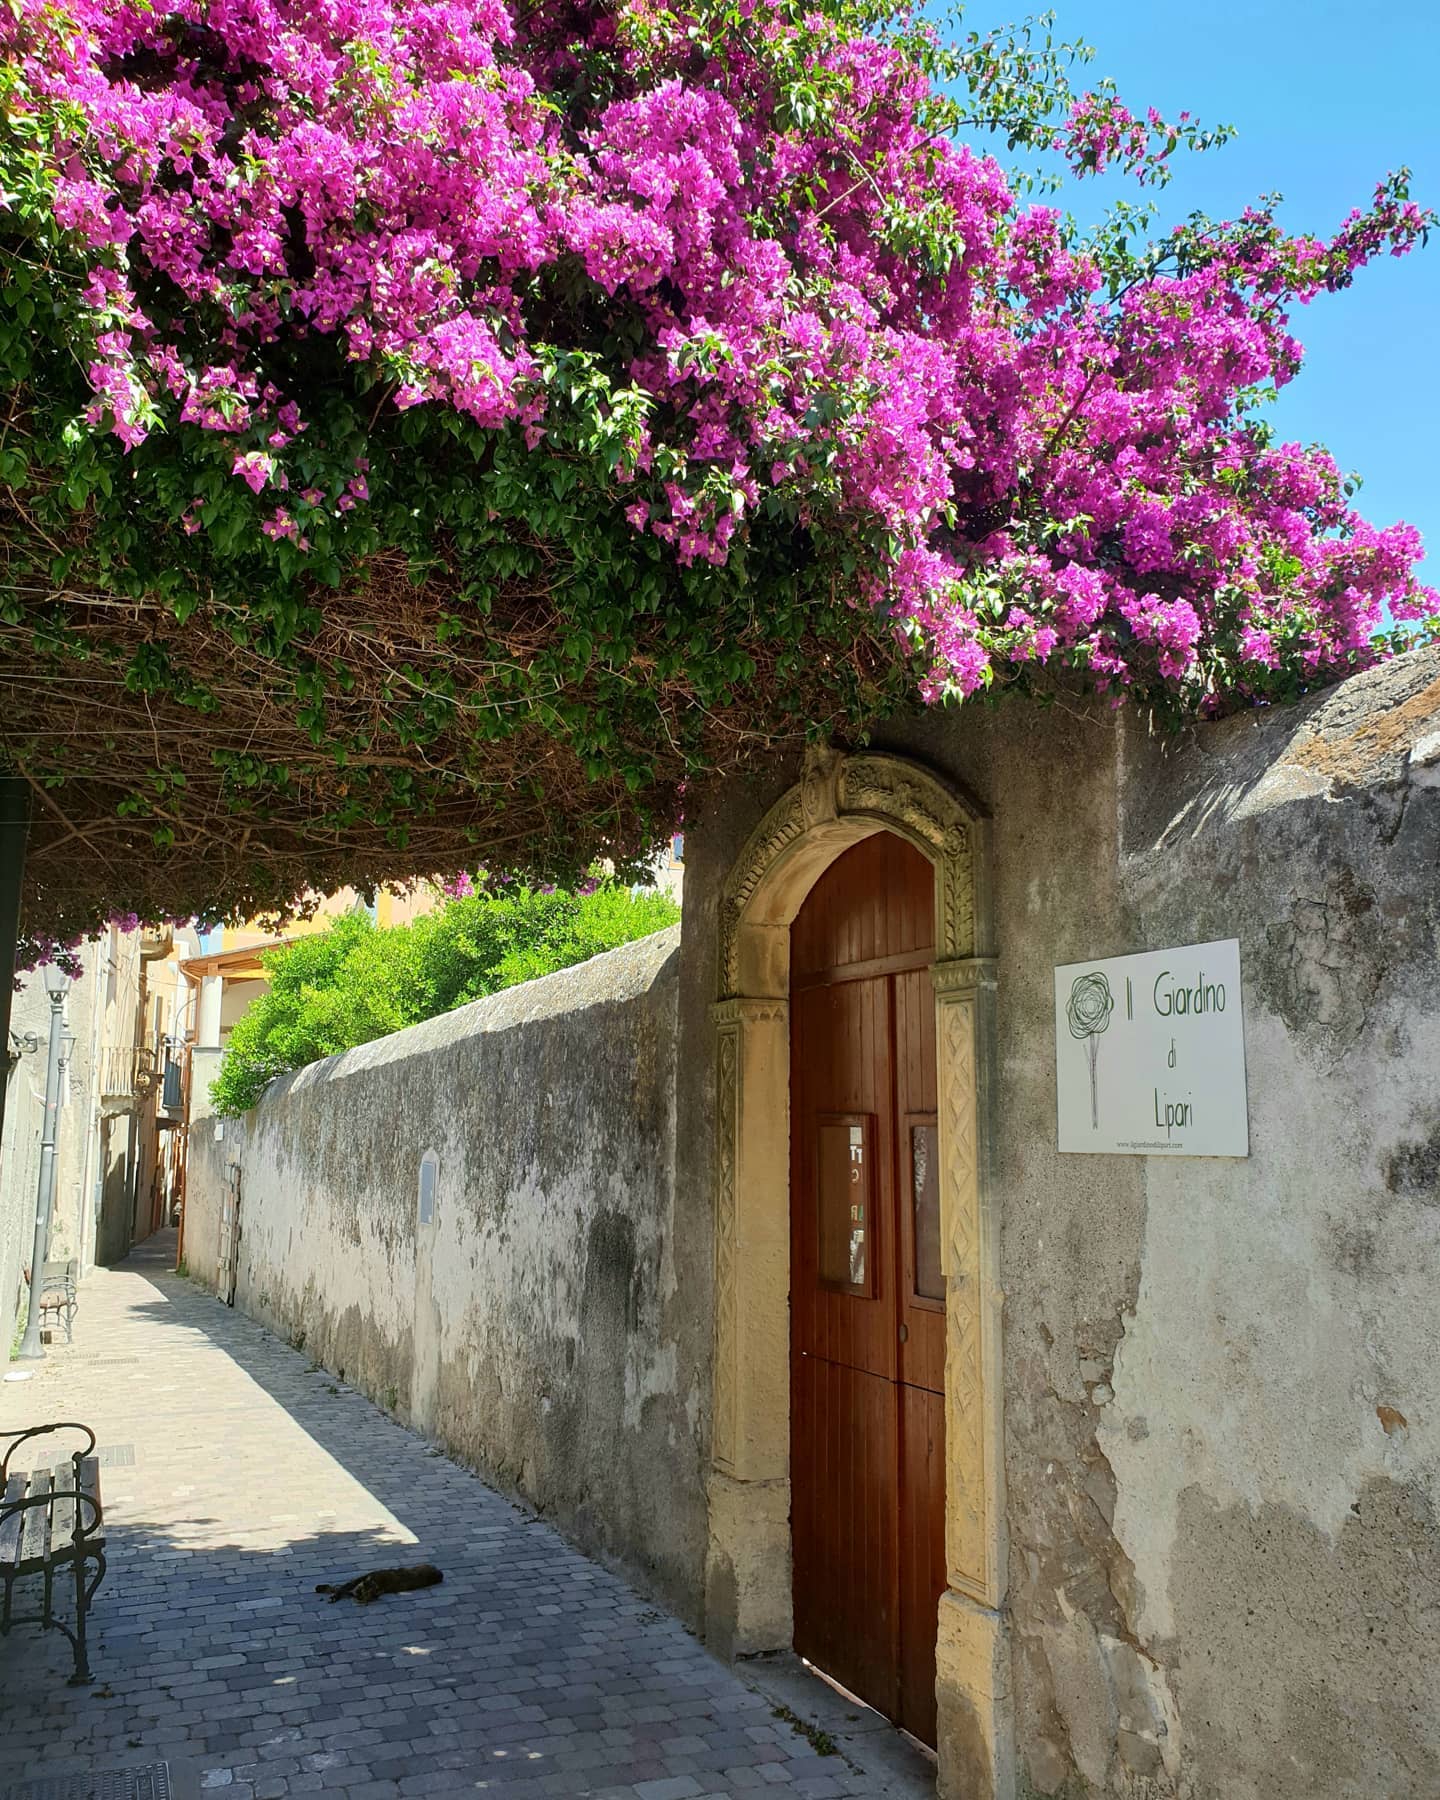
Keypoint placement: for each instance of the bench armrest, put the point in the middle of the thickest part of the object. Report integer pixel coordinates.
(32, 1431)
(9, 1508)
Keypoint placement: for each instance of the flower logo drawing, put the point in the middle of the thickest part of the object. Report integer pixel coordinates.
(1089, 1013)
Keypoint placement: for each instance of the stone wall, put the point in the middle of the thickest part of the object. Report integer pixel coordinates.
(1221, 1378)
(1274, 1436)
(542, 1325)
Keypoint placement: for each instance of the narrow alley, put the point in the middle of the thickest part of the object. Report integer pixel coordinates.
(235, 1476)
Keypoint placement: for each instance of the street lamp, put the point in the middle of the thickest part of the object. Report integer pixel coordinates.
(56, 983)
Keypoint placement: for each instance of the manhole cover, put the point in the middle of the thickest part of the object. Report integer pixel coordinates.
(150, 1783)
(116, 1456)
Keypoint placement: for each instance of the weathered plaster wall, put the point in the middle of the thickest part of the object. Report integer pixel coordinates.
(1221, 1379)
(545, 1327)
(1274, 1434)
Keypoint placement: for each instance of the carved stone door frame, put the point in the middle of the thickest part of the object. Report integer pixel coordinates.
(839, 801)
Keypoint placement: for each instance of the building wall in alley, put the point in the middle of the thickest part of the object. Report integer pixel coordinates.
(76, 1140)
(117, 1149)
(388, 906)
(531, 1311)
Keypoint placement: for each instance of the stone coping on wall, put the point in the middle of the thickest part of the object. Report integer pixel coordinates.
(1378, 730)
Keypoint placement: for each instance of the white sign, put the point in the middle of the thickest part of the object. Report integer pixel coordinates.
(1150, 1053)
(429, 1178)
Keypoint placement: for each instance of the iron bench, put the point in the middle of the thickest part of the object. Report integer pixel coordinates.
(58, 1298)
(51, 1525)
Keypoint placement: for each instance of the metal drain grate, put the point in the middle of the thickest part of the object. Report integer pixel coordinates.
(116, 1456)
(150, 1783)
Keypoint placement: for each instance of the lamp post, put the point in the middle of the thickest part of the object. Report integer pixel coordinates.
(56, 983)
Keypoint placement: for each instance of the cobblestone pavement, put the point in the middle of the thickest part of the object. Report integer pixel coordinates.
(235, 1477)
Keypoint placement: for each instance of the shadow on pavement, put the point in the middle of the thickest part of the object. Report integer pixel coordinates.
(530, 1672)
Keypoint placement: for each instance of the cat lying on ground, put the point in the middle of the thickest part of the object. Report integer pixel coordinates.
(370, 1587)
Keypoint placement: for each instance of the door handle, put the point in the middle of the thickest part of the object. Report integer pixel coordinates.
(904, 1334)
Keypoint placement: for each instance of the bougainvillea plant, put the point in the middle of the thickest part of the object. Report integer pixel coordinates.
(434, 431)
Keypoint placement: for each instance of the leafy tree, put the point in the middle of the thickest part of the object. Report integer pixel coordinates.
(356, 982)
(436, 431)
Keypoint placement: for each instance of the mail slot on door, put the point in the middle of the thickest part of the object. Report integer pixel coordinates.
(844, 1165)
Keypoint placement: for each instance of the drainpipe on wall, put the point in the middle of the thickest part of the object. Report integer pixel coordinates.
(207, 1024)
(204, 1061)
(92, 1182)
(186, 999)
(184, 1160)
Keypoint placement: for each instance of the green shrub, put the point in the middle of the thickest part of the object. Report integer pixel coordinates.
(356, 982)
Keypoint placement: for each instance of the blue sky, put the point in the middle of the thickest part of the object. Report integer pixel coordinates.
(1327, 98)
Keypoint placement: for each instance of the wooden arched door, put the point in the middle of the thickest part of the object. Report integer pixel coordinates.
(867, 1294)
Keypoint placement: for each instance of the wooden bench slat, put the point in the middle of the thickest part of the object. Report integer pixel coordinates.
(90, 1484)
(10, 1527)
(62, 1512)
(35, 1534)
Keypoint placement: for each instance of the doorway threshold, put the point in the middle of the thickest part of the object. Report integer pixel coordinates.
(899, 1766)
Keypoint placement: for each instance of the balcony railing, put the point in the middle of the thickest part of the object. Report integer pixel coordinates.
(128, 1072)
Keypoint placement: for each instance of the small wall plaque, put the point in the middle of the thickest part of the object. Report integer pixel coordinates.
(429, 1180)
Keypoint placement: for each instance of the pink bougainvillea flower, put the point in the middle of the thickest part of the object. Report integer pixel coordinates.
(1014, 459)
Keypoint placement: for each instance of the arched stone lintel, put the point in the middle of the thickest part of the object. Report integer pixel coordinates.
(839, 801)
